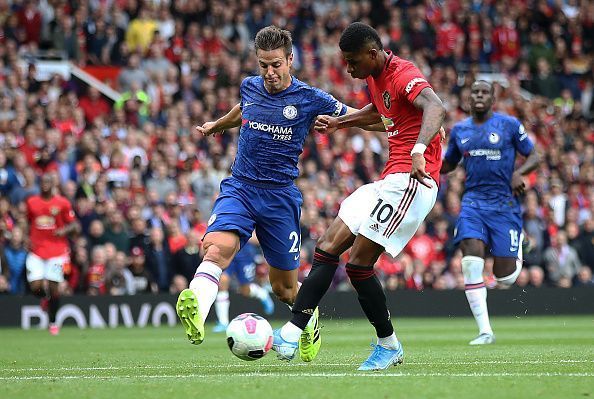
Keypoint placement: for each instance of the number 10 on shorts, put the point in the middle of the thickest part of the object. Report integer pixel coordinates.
(382, 213)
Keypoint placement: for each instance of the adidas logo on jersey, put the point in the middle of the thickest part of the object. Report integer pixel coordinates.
(374, 227)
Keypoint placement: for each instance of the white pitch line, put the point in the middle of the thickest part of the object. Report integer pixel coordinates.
(288, 365)
(312, 375)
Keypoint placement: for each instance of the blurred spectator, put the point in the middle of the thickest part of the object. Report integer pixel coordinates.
(421, 247)
(584, 244)
(133, 74)
(158, 259)
(160, 183)
(119, 279)
(30, 20)
(178, 284)
(537, 277)
(117, 232)
(187, 259)
(15, 256)
(561, 260)
(141, 30)
(143, 280)
(93, 105)
(97, 270)
(584, 277)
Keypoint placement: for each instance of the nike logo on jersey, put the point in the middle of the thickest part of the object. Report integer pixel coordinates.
(247, 104)
(296, 257)
(464, 141)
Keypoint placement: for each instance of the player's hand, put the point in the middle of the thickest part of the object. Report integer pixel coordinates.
(518, 185)
(326, 124)
(418, 170)
(442, 134)
(207, 129)
(60, 232)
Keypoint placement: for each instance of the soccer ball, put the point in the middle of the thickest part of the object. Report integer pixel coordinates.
(249, 336)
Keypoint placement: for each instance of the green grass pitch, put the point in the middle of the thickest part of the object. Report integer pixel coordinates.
(534, 357)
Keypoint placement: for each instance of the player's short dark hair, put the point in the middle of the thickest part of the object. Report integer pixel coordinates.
(357, 35)
(273, 37)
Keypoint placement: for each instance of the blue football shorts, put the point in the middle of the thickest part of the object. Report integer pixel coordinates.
(500, 231)
(273, 212)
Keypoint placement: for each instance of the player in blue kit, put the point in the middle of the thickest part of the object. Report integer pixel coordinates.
(275, 113)
(490, 217)
(243, 268)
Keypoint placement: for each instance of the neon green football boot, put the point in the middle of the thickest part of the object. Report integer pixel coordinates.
(189, 313)
(310, 340)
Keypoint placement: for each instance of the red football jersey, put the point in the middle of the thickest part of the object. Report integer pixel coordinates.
(393, 93)
(45, 217)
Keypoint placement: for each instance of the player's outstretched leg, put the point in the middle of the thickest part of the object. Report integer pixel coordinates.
(310, 340)
(388, 351)
(290, 338)
(193, 304)
(188, 311)
(305, 322)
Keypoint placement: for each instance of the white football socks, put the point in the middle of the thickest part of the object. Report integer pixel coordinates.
(222, 307)
(205, 286)
(290, 332)
(476, 292)
(390, 342)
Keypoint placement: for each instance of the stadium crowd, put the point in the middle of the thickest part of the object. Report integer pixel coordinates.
(142, 181)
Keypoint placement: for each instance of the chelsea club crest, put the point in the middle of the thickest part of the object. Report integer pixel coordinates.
(493, 138)
(290, 112)
(387, 99)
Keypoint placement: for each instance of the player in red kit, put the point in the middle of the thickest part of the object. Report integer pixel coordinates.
(51, 219)
(383, 215)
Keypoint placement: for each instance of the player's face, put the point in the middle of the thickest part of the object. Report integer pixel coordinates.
(360, 64)
(481, 97)
(275, 68)
(46, 184)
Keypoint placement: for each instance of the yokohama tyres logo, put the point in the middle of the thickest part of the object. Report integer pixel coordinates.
(264, 127)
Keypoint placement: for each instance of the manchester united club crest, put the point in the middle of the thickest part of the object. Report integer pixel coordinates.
(54, 210)
(387, 99)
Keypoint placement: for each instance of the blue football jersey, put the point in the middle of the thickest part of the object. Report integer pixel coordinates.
(274, 127)
(488, 153)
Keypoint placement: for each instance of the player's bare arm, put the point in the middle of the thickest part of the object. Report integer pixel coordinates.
(364, 118)
(447, 167)
(376, 127)
(433, 115)
(531, 163)
(230, 120)
(67, 230)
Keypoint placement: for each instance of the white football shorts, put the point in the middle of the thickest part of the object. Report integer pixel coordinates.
(389, 211)
(45, 269)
